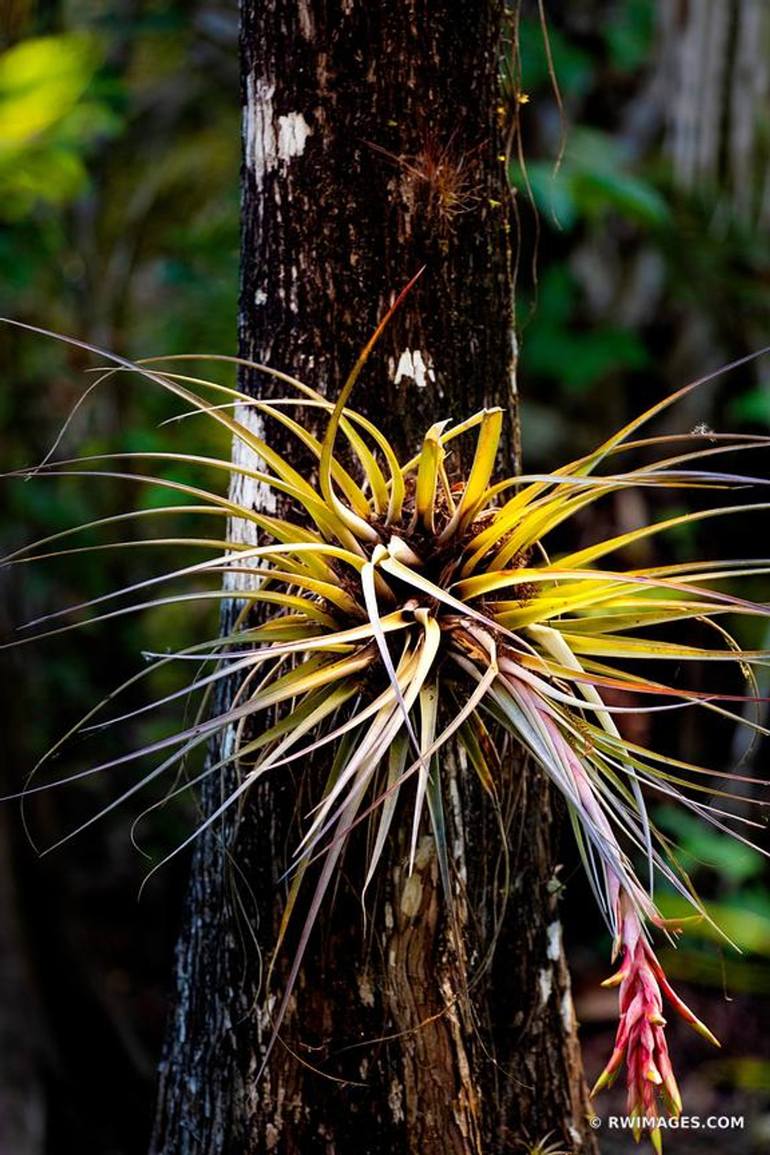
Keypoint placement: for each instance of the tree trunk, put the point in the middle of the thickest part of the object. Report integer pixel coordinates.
(714, 87)
(372, 141)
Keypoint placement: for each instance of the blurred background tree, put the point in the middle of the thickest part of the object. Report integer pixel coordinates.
(644, 260)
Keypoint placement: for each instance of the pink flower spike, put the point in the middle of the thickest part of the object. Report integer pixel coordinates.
(640, 1037)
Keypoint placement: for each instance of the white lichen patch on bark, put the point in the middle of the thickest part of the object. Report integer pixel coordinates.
(415, 365)
(514, 365)
(553, 954)
(270, 141)
(249, 493)
(228, 736)
(293, 133)
(260, 144)
(554, 941)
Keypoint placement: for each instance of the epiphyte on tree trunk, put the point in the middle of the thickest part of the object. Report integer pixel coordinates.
(414, 603)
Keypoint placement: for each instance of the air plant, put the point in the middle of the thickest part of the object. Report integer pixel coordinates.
(406, 605)
(441, 178)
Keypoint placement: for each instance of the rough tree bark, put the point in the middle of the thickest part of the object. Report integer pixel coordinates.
(371, 147)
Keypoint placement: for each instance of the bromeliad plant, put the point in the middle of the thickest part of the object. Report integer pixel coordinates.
(406, 605)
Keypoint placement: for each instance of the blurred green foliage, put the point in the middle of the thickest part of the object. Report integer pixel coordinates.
(49, 118)
(118, 224)
(575, 358)
(618, 264)
(594, 180)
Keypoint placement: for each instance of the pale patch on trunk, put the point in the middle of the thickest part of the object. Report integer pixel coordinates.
(293, 131)
(269, 143)
(417, 366)
(260, 144)
(554, 941)
(249, 493)
(514, 365)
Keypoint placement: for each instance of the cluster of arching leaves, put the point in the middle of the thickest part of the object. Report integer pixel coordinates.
(443, 586)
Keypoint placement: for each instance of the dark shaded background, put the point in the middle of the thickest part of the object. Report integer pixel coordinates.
(647, 263)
